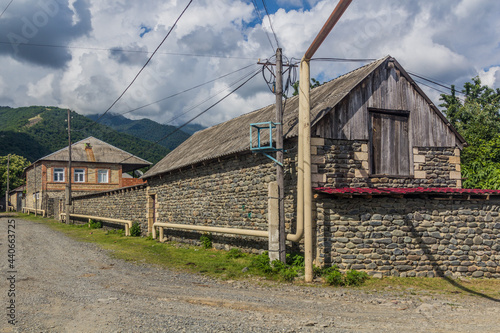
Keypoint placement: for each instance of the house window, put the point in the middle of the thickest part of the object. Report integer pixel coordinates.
(79, 175)
(102, 176)
(58, 174)
(389, 143)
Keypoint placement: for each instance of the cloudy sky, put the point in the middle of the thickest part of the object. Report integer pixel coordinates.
(82, 54)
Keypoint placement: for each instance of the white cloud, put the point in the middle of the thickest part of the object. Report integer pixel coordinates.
(444, 40)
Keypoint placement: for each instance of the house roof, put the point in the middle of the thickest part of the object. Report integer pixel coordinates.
(233, 136)
(96, 151)
(18, 189)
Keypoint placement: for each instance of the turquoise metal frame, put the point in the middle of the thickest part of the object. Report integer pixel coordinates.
(269, 125)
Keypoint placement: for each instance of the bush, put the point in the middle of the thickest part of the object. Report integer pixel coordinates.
(94, 225)
(235, 253)
(135, 230)
(352, 277)
(355, 278)
(206, 240)
(261, 263)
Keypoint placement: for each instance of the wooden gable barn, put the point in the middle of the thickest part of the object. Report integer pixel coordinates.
(386, 174)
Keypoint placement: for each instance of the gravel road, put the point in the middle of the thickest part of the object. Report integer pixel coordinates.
(65, 286)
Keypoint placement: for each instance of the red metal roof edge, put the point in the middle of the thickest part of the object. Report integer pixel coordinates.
(416, 190)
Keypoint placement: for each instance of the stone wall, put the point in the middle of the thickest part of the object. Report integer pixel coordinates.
(344, 163)
(227, 192)
(410, 236)
(126, 203)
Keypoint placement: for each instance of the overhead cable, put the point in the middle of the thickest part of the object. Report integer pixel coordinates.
(262, 23)
(181, 92)
(147, 62)
(126, 51)
(270, 23)
(199, 114)
(6, 8)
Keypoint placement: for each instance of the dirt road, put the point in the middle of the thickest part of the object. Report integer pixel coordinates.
(65, 286)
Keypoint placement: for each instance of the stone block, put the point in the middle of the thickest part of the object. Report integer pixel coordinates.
(317, 141)
(420, 174)
(455, 175)
(454, 160)
(418, 158)
(361, 173)
(360, 156)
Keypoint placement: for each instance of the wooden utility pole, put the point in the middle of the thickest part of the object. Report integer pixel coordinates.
(7, 193)
(280, 179)
(68, 185)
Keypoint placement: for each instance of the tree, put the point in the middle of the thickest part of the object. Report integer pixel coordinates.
(314, 83)
(16, 167)
(477, 119)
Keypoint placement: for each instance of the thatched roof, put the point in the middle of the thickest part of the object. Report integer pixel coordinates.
(97, 151)
(233, 136)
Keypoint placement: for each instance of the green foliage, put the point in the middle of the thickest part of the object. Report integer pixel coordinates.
(334, 277)
(206, 240)
(355, 278)
(477, 119)
(16, 167)
(285, 272)
(94, 224)
(135, 230)
(314, 83)
(145, 129)
(235, 253)
(37, 131)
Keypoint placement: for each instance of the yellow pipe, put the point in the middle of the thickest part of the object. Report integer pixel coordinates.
(245, 232)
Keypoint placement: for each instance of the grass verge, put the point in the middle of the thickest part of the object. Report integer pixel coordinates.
(237, 265)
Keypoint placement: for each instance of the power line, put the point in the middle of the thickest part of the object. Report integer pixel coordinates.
(343, 59)
(262, 22)
(125, 51)
(184, 91)
(270, 23)
(147, 62)
(198, 115)
(6, 8)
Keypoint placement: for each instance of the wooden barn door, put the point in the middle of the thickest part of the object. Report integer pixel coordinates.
(390, 153)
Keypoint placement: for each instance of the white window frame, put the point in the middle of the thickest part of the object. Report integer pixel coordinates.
(100, 173)
(59, 175)
(79, 175)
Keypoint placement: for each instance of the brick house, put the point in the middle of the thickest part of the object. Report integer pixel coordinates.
(96, 166)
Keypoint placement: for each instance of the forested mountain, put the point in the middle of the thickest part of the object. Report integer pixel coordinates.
(36, 131)
(147, 129)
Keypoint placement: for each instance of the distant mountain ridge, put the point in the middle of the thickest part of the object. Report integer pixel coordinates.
(148, 129)
(36, 131)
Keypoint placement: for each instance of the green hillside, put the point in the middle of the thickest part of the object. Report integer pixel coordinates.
(145, 129)
(36, 131)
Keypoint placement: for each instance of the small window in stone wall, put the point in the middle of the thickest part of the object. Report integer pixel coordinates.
(389, 143)
(102, 176)
(59, 174)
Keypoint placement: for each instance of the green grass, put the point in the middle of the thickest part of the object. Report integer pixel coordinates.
(229, 265)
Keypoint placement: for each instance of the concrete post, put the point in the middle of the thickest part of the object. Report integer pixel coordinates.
(273, 211)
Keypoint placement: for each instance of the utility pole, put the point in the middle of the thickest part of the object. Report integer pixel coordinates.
(68, 185)
(7, 193)
(280, 179)
(36, 196)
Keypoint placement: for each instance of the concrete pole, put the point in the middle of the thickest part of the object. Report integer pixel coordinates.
(36, 197)
(7, 193)
(280, 179)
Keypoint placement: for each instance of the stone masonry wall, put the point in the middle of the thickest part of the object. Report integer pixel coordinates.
(229, 192)
(125, 203)
(344, 163)
(410, 236)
